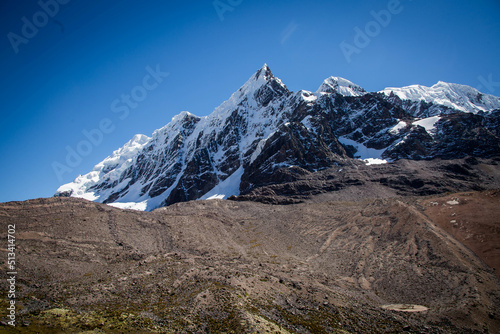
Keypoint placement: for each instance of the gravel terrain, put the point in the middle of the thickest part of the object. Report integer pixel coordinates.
(322, 266)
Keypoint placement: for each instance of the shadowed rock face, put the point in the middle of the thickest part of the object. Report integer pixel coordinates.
(222, 266)
(457, 135)
(355, 181)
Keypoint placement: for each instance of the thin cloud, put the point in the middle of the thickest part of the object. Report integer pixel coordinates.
(288, 32)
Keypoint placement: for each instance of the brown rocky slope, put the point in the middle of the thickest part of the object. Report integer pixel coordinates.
(244, 267)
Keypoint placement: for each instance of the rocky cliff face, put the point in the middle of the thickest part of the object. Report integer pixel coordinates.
(265, 134)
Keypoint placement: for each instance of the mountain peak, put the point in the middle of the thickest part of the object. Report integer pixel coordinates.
(264, 72)
(340, 86)
(259, 89)
(261, 77)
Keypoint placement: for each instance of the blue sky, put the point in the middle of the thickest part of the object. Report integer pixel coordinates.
(61, 79)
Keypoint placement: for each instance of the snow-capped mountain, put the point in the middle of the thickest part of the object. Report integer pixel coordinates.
(265, 134)
(113, 166)
(341, 86)
(446, 98)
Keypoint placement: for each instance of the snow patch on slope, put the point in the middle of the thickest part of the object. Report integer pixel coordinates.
(372, 161)
(141, 206)
(362, 152)
(226, 188)
(429, 123)
(398, 127)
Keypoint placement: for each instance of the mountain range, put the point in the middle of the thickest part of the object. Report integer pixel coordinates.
(265, 134)
(390, 223)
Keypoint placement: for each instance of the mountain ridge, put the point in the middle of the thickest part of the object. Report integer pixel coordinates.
(449, 95)
(264, 133)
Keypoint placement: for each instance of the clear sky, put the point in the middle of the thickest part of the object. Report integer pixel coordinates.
(69, 68)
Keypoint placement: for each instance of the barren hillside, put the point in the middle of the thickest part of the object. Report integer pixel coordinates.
(242, 267)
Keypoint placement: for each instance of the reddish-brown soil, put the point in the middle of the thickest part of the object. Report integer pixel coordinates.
(473, 218)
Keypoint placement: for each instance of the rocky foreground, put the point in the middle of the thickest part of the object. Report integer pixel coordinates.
(374, 263)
